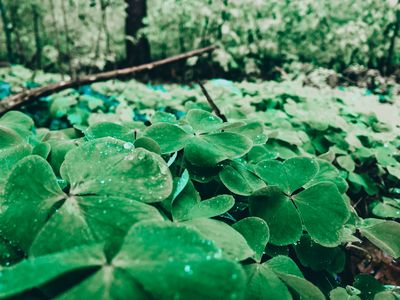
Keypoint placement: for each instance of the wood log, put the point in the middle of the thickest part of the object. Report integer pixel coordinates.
(17, 100)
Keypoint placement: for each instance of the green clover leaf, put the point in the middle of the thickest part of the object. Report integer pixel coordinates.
(108, 129)
(272, 280)
(19, 123)
(202, 121)
(256, 233)
(203, 143)
(327, 172)
(111, 167)
(188, 209)
(15, 133)
(289, 175)
(388, 208)
(239, 179)
(340, 293)
(319, 258)
(384, 234)
(34, 272)
(252, 130)
(156, 260)
(279, 203)
(95, 209)
(233, 245)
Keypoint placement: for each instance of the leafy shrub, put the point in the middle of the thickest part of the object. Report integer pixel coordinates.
(254, 36)
(257, 35)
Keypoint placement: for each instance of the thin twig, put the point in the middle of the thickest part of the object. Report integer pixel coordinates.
(67, 38)
(57, 37)
(212, 103)
(21, 98)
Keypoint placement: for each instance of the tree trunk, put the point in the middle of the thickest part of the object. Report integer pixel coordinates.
(38, 42)
(137, 48)
(392, 44)
(67, 38)
(57, 37)
(7, 32)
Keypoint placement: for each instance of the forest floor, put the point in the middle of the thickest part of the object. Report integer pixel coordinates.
(356, 129)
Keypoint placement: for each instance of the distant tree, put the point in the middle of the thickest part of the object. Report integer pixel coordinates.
(7, 31)
(137, 47)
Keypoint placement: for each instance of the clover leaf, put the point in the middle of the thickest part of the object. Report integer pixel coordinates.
(252, 130)
(156, 260)
(111, 167)
(201, 138)
(202, 209)
(170, 137)
(319, 258)
(15, 133)
(108, 129)
(34, 272)
(289, 175)
(233, 245)
(202, 121)
(388, 208)
(340, 293)
(384, 234)
(94, 209)
(18, 122)
(239, 179)
(272, 280)
(209, 150)
(327, 172)
(256, 233)
(286, 211)
(188, 209)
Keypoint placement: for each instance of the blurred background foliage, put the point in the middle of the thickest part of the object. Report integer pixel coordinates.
(255, 36)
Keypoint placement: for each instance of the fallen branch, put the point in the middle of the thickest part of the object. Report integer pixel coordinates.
(28, 95)
(212, 103)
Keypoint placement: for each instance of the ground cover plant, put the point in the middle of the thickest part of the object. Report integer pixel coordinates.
(125, 190)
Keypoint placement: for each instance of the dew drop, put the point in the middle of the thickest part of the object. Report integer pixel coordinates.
(141, 155)
(188, 269)
(128, 146)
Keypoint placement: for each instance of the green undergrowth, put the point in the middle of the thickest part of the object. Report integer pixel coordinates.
(124, 190)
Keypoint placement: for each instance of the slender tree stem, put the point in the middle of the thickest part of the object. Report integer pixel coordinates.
(7, 31)
(67, 37)
(38, 42)
(392, 43)
(57, 37)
